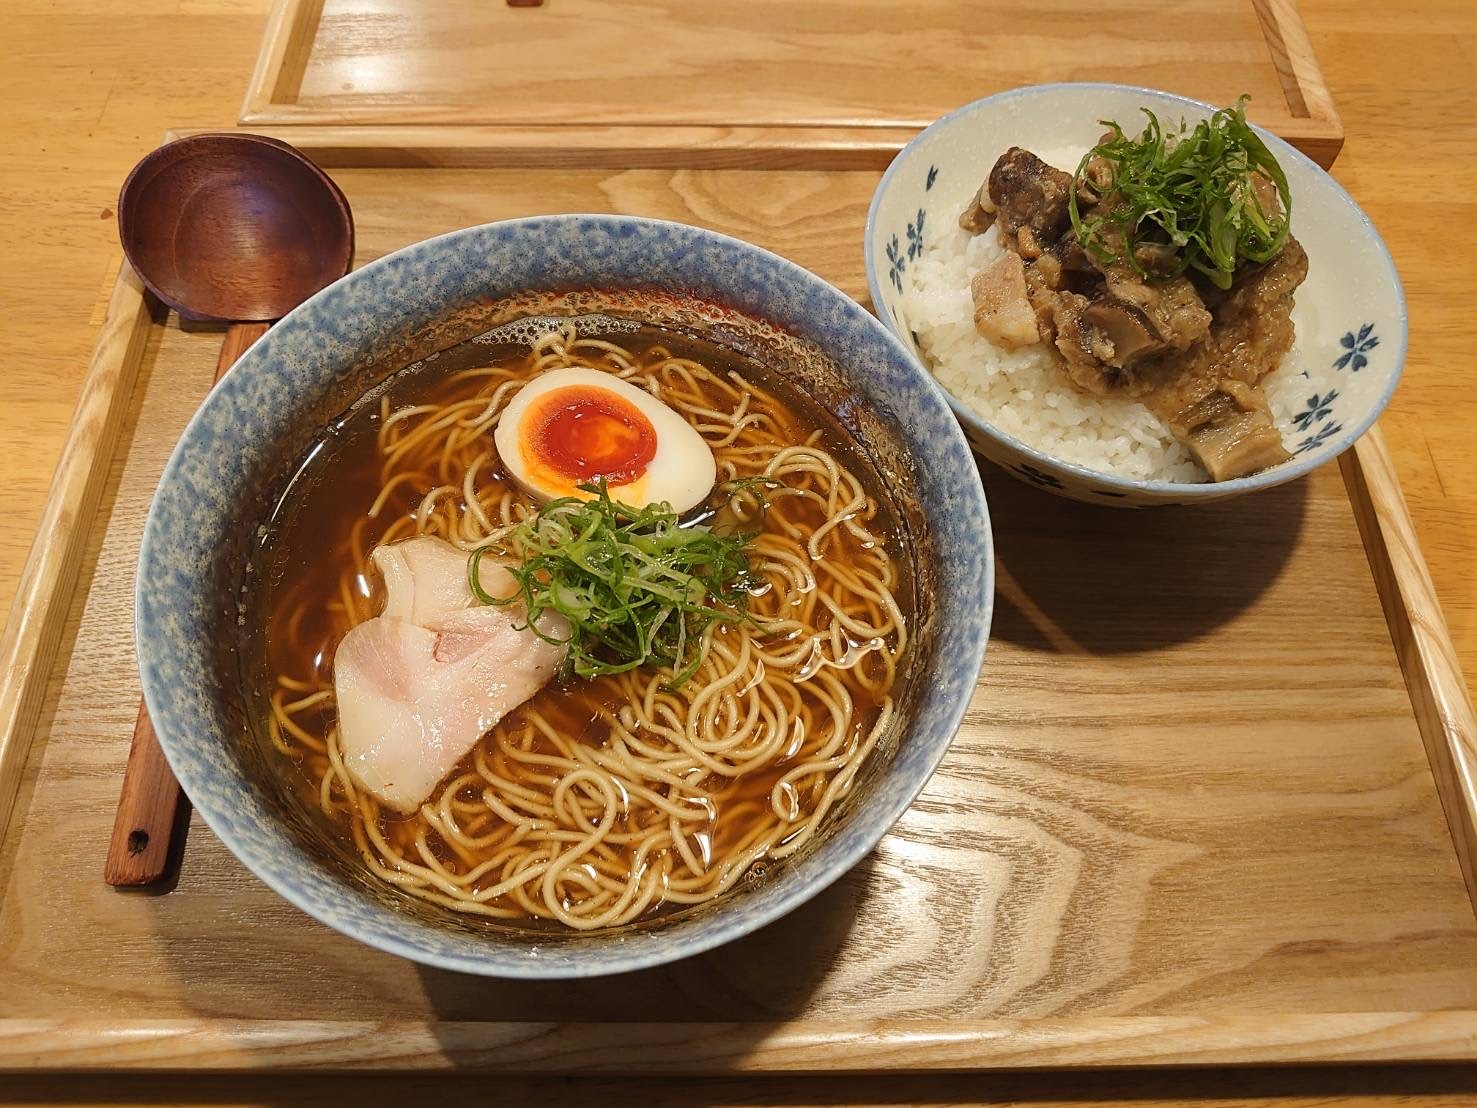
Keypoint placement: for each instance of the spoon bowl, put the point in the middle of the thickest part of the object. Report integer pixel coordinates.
(233, 227)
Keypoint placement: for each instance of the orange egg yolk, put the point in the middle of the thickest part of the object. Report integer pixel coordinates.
(583, 432)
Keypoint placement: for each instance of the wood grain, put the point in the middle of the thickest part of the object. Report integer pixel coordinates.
(1432, 671)
(31, 637)
(144, 838)
(1297, 65)
(766, 65)
(612, 146)
(239, 1046)
(88, 86)
(1286, 1087)
(291, 28)
(1107, 869)
(141, 847)
(235, 226)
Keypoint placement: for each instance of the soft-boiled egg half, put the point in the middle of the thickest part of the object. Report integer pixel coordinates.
(574, 426)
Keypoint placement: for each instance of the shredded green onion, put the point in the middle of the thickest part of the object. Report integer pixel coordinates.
(1194, 191)
(636, 586)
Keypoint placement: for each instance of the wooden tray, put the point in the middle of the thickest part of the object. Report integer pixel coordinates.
(1194, 814)
(772, 74)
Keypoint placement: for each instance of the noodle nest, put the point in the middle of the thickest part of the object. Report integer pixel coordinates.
(596, 802)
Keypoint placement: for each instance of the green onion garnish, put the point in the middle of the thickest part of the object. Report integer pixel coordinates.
(1194, 191)
(636, 586)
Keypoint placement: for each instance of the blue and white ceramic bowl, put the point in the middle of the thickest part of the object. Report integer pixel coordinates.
(236, 453)
(1351, 310)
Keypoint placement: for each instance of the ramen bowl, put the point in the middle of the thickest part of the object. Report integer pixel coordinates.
(1350, 312)
(238, 452)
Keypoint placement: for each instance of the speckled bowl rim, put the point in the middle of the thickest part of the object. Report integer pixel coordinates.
(1185, 490)
(960, 655)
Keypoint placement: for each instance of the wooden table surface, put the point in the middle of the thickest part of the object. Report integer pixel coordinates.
(91, 84)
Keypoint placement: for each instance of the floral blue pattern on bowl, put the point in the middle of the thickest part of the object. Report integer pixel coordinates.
(283, 389)
(1351, 308)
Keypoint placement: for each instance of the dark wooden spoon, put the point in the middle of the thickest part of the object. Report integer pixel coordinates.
(229, 228)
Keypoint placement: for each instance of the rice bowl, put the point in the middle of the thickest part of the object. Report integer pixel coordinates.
(1014, 404)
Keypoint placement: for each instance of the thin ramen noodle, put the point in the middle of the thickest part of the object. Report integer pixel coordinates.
(600, 801)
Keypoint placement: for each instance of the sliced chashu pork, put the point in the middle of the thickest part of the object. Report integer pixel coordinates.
(419, 685)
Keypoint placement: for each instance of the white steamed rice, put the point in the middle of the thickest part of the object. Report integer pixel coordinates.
(1020, 391)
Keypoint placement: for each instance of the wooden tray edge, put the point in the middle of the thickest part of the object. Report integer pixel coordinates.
(1433, 674)
(1297, 65)
(282, 57)
(718, 1048)
(615, 146)
(33, 628)
(622, 146)
(1308, 121)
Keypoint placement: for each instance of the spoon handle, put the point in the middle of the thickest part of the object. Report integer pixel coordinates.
(152, 809)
